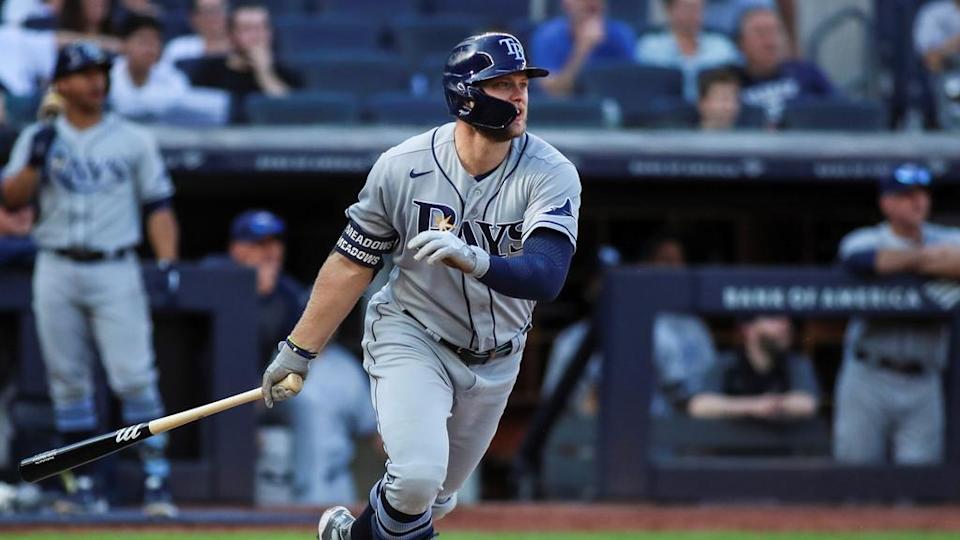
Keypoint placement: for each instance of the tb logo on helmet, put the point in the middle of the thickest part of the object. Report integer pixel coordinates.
(514, 48)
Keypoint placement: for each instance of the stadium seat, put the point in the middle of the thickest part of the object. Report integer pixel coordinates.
(582, 112)
(298, 33)
(635, 87)
(416, 37)
(282, 7)
(499, 11)
(834, 115)
(371, 9)
(303, 108)
(428, 74)
(751, 117)
(359, 73)
(406, 110)
(660, 112)
(629, 81)
(22, 110)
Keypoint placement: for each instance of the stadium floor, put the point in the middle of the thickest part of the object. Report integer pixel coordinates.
(529, 522)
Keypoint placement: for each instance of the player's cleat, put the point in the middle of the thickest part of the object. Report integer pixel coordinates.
(335, 524)
(83, 497)
(157, 501)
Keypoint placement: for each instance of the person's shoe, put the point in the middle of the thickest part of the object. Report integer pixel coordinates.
(83, 497)
(335, 524)
(157, 501)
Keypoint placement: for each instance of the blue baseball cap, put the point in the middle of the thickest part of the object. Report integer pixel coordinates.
(254, 225)
(906, 177)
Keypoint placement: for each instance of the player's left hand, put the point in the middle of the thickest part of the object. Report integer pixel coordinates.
(446, 247)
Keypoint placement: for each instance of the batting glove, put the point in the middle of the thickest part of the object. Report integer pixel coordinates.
(286, 361)
(447, 247)
(40, 146)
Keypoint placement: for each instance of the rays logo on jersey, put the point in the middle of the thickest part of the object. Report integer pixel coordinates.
(86, 175)
(501, 239)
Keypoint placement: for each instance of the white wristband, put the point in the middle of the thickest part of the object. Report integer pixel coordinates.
(482, 262)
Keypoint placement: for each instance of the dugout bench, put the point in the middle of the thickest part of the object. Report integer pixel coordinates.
(205, 338)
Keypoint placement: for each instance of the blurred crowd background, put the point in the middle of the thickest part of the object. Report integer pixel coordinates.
(717, 64)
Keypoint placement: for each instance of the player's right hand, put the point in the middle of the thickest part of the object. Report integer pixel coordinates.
(40, 146)
(284, 363)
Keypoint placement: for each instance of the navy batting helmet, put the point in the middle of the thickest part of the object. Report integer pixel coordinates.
(477, 59)
(80, 56)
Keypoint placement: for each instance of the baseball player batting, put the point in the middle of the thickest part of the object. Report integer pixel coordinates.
(93, 176)
(481, 220)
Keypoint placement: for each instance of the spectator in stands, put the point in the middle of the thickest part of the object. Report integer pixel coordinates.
(88, 20)
(249, 67)
(143, 89)
(685, 46)
(18, 12)
(584, 34)
(724, 15)
(768, 79)
(28, 60)
(763, 379)
(889, 395)
(209, 20)
(936, 36)
(334, 406)
(15, 242)
(719, 102)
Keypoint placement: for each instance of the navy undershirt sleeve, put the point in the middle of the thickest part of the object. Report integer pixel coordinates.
(539, 273)
(861, 262)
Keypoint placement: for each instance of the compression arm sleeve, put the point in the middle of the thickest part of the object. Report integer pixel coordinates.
(539, 273)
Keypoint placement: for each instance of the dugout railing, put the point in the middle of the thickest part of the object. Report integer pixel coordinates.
(626, 469)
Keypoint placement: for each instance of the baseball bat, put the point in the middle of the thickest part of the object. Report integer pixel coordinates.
(47, 464)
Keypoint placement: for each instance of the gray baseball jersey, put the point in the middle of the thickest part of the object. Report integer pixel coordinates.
(895, 339)
(96, 182)
(419, 186)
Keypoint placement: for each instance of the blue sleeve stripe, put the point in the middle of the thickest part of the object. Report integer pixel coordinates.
(160, 204)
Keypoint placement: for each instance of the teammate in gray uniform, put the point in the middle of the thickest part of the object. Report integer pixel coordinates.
(93, 176)
(889, 393)
(481, 220)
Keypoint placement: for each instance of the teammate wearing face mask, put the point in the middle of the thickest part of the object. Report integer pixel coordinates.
(764, 379)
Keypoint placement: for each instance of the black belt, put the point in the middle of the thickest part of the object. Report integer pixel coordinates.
(468, 356)
(912, 369)
(86, 255)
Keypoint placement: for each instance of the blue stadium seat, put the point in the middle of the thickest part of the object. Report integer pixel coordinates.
(834, 115)
(298, 33)
(632, 85)
(418, 36)
(22, 110)
(372, 9)
(303, 108)
(291, 7)
(662, 112)
(359, 73)
(581, 112)
(406, 110)
(497, 12)
(752, 117)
